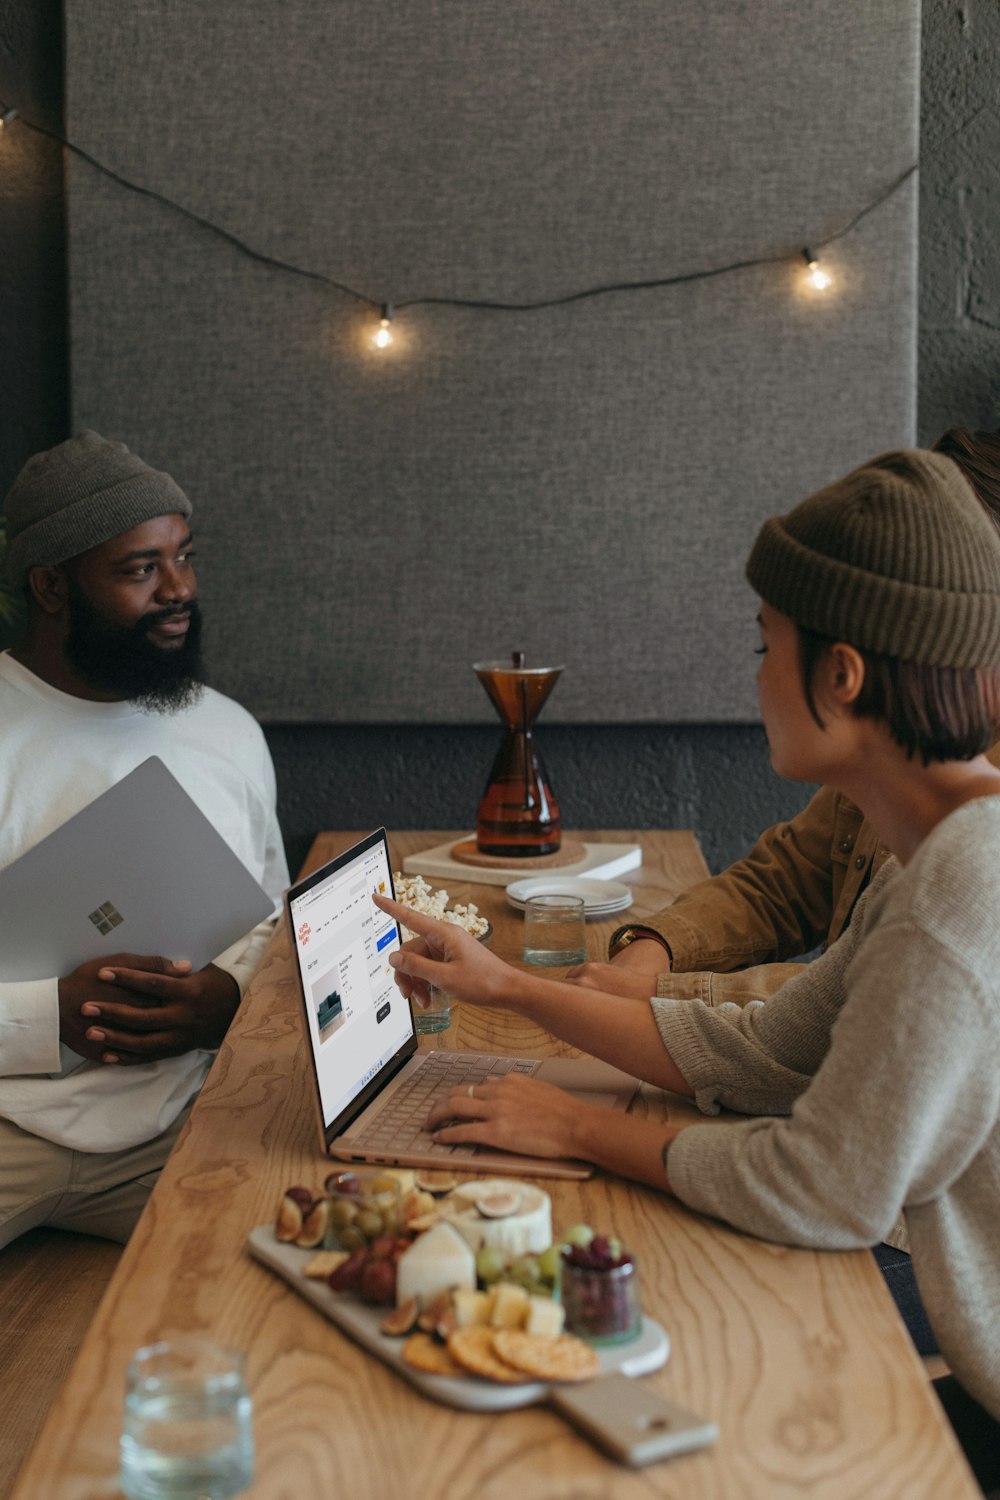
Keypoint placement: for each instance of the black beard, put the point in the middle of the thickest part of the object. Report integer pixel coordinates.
(121, 659)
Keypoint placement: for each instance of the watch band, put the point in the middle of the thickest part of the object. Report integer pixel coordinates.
(631, 933)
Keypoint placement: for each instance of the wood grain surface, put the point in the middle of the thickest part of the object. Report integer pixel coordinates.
(799, 1356)
(50, 1283)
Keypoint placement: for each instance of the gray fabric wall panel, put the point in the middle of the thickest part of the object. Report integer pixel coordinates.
(580, 482)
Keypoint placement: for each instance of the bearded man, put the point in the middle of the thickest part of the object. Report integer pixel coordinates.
(99, 1067)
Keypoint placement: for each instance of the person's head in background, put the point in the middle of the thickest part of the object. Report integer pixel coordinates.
(977, 454)
(101, 545)
(880, 621)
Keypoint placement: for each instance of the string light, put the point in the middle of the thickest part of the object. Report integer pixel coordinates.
(816, 277)
(384, 338)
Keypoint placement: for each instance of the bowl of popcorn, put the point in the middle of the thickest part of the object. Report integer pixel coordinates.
(414, 892)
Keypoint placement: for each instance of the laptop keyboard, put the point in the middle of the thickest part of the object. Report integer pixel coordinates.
(399, 1125)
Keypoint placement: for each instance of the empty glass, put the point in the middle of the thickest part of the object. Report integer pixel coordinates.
(555, 933)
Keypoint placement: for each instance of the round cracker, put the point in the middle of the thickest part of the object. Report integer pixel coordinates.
(473, 1348)
(424, 1353)
(542, 1358)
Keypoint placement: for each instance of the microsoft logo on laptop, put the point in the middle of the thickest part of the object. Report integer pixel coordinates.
(106, 917)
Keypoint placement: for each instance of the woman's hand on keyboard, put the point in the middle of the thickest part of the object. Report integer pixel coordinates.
(512, 1114)
(445, 956)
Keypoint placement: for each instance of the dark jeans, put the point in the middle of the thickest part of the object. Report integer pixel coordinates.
(897, 1269)
(976, 1430)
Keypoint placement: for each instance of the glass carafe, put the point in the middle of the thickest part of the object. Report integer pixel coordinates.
(518, 815)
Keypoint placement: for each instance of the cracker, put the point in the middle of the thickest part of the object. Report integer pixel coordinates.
(543, 1358)
(323, 1262)
(473, 1348)
(424, 1353)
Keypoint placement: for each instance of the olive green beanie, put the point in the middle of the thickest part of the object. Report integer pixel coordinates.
(76, 496)
(898, 558)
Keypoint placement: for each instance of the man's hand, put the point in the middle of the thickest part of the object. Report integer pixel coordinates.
(161, 1008)
(75, 991)
(645, 956)
(632, 972)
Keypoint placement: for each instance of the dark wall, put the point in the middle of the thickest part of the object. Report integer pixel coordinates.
(712, 778)
(34, 405)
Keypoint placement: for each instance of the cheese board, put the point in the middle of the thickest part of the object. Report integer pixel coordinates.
(643, 1354)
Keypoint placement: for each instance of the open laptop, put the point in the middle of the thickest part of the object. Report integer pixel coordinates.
(139, 870)
(373, 1087)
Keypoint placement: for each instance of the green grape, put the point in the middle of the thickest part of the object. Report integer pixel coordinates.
(578, 1234)
(548, 1263)
(489, 1265)
(523, 1270)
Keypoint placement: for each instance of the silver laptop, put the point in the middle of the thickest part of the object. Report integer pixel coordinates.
(373, 1087)
(139, 870)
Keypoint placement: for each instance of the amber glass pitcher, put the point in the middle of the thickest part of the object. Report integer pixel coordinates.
(518, 815)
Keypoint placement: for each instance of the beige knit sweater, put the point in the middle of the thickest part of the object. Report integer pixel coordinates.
(882, 1060)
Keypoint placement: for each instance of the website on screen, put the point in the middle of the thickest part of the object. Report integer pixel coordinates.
(357, 1018)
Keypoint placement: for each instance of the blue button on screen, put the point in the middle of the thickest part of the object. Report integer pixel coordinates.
(385, 939)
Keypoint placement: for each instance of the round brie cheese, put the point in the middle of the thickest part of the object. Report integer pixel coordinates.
(511, 1217)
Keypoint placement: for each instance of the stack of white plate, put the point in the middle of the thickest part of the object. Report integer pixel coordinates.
(601, 898)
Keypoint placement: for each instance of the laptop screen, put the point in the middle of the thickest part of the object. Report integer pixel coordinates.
(358, 1022)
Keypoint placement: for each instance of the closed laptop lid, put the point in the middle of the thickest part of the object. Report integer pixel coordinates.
(139, 870)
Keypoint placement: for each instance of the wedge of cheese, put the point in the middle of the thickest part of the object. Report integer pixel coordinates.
(438, 1261)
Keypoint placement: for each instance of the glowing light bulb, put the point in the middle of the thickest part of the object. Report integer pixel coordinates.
(816, 276)
(384, 338)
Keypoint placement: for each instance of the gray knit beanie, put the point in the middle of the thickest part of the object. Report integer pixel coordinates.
(898, 558)
(76, 496)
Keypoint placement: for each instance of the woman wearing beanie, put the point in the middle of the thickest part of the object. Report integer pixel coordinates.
(874, 1074)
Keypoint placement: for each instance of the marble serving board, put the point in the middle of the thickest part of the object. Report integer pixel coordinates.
(361, 1323)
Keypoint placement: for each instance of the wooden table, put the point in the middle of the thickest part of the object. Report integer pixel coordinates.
(799, 1356)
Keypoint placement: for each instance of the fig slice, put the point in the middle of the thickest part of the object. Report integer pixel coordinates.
(289, 1223)
(436, 1181)
(314, 1225)
(402, 1319)
(498, 1205)
(447, 1321)
(435, 1312)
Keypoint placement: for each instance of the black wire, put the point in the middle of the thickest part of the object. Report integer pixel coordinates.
(489, 305)
(188, 213)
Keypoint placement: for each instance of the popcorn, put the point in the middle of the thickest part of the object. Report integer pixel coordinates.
(414, 892)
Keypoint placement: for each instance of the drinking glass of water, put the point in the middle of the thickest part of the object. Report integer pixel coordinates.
(555, 933)
(187, 1429)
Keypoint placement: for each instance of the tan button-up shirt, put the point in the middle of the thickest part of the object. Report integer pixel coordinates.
(731, 937)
